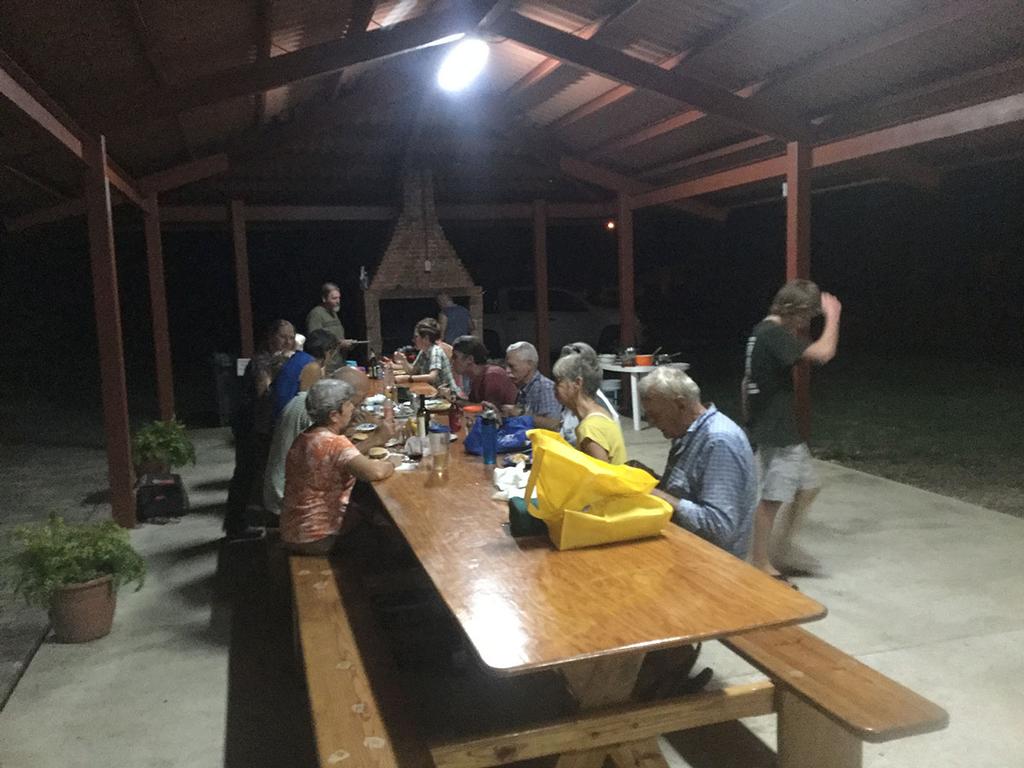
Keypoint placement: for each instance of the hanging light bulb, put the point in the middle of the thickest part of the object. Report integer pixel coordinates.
(610, 224)
(463, 64)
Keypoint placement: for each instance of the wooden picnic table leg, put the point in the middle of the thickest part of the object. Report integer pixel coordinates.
(599, 683)
(807, 737)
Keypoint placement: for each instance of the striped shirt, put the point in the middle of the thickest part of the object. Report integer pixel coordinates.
(710, 469)
(434, 359)
(537, 398)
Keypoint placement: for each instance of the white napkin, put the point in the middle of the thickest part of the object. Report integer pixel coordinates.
(511, 481)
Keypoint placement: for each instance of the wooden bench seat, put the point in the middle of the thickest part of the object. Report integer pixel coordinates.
(355, 702)
(827, 702)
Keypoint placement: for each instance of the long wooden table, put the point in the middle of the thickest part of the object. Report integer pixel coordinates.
(591, 614)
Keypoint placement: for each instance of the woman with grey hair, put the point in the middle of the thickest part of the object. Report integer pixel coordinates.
(577, 378)
(569, 420)
(321, 468)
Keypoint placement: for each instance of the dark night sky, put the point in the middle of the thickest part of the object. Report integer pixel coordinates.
(934, 273)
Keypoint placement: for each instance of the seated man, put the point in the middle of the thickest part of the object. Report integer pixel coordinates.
(487, 383)
(709, 478)
(536, 396)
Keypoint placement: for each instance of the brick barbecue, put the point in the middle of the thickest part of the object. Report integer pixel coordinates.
(419, 262)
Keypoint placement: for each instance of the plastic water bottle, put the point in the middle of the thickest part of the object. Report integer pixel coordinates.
(489, 433)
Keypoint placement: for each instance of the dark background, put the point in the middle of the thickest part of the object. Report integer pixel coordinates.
(919, 273)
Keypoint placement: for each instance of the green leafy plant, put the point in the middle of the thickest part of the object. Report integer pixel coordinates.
(163, 442)
(55, 554)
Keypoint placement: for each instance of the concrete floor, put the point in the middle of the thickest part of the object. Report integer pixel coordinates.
(198, 670)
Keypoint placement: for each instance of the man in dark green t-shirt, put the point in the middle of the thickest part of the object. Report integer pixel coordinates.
(775, 345)
(324, 316)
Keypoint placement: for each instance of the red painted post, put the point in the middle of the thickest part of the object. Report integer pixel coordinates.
(108, 330)
(627, 294)
(242, 276)
(158, 308)
(540, 270)
(798, 257)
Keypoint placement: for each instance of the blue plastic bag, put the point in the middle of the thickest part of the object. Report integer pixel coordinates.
(511, 435)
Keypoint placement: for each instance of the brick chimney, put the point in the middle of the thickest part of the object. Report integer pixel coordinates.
(419, 262)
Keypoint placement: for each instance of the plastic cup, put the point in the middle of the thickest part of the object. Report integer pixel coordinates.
(439, 451)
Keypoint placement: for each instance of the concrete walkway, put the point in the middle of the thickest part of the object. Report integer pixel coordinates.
(922, 587)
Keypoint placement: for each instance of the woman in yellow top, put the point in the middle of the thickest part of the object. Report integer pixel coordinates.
(576, 381)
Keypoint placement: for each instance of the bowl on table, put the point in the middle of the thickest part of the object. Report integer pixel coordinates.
(644, 360)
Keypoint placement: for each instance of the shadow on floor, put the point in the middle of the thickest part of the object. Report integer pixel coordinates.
(725, 745)
(267, 721)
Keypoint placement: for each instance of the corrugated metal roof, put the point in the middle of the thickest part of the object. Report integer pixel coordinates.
(89, 56)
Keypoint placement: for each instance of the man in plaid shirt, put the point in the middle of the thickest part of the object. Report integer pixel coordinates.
(710, 477)
(536, 391)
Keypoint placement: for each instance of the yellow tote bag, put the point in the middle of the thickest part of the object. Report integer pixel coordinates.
(586, 501)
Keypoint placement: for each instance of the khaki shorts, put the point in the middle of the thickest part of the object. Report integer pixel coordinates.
(782, 471)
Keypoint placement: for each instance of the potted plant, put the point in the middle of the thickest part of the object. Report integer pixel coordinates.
(160, 445)
(75, 571)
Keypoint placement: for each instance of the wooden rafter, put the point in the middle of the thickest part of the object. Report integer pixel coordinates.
(34, 181)
(691, 56)
(27, 97)
(420, 32)
(152, 185)
(640, 74)
(212, 214)
(980, 117)
(148, 47)
(769, 90)
(542, 144)
(360, 18)
(586, 32)
(997, 80)
(264, 36)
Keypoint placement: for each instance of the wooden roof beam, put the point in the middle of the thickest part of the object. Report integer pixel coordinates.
(162, 181)
(640, 74)
(542, 144)
(264, 35)
(832, 58)
(420, 32)
(586, 32)
(996, 79)
(17, 88)
(131, 10)
(762, 12)
(980, 117)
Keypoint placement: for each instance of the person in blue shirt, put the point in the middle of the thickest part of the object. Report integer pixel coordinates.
(710, 477)
(454, 319)
(536, 396)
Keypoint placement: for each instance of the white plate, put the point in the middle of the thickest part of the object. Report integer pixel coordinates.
(367, 427)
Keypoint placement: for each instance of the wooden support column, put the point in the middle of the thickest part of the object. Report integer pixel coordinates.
(158, 309)
(540, 270)
(627, 297)
(242, 276)
(108, 331)
(798, 258)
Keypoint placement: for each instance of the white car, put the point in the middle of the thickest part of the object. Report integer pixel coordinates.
(510, 315)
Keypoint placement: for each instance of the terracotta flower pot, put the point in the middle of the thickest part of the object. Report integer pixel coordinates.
(83, 612)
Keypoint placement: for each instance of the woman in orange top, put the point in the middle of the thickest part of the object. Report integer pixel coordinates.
(320, 470)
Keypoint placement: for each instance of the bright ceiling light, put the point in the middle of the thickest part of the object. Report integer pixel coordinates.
(464, 62)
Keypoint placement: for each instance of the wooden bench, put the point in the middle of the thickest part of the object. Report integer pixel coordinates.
(828, 703)
(354, 697)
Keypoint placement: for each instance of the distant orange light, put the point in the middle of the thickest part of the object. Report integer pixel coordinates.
(609, 224)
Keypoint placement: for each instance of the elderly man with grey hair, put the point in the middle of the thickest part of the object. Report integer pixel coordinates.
(710, 478)
(536, 396)
(320, 470)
